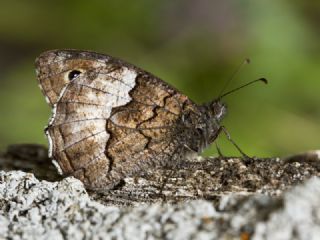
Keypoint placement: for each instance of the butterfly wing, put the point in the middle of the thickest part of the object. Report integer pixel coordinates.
(111, 120)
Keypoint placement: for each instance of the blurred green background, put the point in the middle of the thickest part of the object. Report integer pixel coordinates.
(193, 44)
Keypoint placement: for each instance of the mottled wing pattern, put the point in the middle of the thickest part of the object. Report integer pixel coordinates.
(110, 121)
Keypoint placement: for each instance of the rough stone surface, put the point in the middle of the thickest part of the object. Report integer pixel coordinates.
(299, 218)
(213, 198)
(199, 178)
(33, 209)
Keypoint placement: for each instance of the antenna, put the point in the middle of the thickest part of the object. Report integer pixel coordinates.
(246, 61)
(244, 85)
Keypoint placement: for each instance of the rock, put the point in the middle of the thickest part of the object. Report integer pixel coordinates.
(207, 178)
(299, 218)
(34, 209)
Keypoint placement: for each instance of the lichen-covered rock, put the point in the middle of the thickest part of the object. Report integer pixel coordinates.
(299, 218)
(33, 209)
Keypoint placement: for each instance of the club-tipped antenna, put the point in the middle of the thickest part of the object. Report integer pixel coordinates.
(246, 61)
(244, 85)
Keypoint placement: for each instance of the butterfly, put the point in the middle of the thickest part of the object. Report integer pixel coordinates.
(111, 119)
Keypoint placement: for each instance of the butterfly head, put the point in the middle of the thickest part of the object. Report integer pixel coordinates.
(217, 109)
(212, 115)
(203, 126)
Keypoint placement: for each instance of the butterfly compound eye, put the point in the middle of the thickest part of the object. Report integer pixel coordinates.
(73, 74)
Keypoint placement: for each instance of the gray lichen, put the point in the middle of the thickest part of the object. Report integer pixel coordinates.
(212, 198)
(33, 209)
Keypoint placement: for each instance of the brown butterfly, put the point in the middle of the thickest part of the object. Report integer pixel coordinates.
(111, 119)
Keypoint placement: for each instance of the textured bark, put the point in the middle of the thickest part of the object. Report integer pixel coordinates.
(200, 178)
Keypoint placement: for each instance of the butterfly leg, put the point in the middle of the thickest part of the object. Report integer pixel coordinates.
(224, 130)
(219, 150)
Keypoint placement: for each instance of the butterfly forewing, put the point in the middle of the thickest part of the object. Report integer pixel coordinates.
(110, 118)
